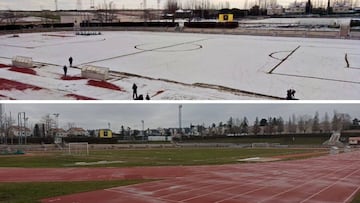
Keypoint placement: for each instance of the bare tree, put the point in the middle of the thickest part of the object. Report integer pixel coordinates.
(11, 17)
(244, 126)
(171, 6)
(71, 125)
(280, 125)
(106, 12)
(336, 122)
(326, 123)
(256, 127)
(345, 121)
(8, 121)
(301, 125)
(271, 126)
(49, 123)
(316, 123)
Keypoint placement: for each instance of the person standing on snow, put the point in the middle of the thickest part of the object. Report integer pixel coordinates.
(290, 94)
(134, 87)
(70, 61)
(65, 71)
(347, 62)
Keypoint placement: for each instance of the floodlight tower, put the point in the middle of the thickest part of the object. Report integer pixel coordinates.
(246, 4)
(21, 126)
(1, 113)
(2, 118)
(56, 123)
(144, 7)
(78, 5)
(92, 4)
(142, 129)
(56, 5)
(25, 120)
(180, 107)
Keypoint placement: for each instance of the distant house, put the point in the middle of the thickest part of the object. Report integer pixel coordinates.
(354, 140)
(183, 14)
(356, 121)
(153, 132)
(341, 7)
(355, 124)
(34, 20)
(158, 135)
(275, 10)
(296, 8)
(16, 131)
(77, 132)
(58, 132)
(104, 133)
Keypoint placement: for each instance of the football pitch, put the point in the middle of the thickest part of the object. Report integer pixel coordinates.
(255, 65)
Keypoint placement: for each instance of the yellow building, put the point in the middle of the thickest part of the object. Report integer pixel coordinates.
(105, 133)
(226, 17)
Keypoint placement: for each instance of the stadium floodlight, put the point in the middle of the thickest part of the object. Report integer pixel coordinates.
(21, 127)
(180, 107)
(56, 5)
(92, 4)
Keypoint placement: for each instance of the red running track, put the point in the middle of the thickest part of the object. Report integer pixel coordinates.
(330, 179)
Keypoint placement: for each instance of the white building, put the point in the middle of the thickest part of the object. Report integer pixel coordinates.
(16, 131)
(275, 10)
(58, 132)
(77, 132)
(76, 18)
(159, 138)
(296, 8)
(341, 7)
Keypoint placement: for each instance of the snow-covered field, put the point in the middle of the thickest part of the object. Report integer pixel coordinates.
(315, 68)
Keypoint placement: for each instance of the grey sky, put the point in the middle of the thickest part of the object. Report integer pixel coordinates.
(92, 116)
(71, 4)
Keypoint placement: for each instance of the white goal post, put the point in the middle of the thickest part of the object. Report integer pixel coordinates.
(78, 148)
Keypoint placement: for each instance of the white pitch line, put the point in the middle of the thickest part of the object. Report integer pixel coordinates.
(221, 190)
(329, 186)
(315, 178)
(139, 195)
(351, 195)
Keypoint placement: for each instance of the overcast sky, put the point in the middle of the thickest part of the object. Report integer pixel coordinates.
(94, 116)
(72, 4)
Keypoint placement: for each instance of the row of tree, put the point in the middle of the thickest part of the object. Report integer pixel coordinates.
(248, 4)
(270, 125)
(294, 124)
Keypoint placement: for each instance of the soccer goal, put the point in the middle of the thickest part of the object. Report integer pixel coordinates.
(79, 148)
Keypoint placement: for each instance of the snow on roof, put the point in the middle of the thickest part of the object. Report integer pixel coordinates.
(275, 7)
(33, 19)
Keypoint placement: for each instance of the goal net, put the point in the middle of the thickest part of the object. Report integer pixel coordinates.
(78, 148)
